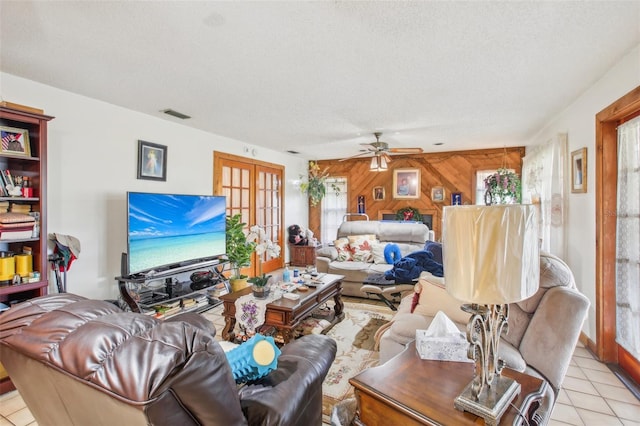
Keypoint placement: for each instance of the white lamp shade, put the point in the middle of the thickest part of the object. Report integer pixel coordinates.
(374, 163)
(491, 254)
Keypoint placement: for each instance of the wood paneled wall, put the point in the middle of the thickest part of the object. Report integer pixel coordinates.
(455, 171)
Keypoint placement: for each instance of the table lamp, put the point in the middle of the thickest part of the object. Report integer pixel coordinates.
(491, 258)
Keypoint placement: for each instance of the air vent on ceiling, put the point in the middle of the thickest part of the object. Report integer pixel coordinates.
(290, 151)
(176, 114)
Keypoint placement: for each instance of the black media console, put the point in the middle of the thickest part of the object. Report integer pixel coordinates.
(166, 293)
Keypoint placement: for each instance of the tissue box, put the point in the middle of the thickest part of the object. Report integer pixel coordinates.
(446, 348)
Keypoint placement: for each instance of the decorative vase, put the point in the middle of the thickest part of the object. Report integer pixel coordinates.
(261, 292)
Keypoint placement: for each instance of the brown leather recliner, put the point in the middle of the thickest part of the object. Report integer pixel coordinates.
(86, 362)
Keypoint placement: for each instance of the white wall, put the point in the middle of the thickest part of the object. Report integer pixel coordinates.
(93, 149)
(578, 121)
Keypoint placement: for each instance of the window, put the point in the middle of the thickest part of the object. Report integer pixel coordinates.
(333, 208)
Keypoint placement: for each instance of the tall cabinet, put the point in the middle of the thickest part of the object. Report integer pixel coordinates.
(32, 164)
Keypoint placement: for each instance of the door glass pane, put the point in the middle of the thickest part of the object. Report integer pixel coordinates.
(226, 176)
(246, 183)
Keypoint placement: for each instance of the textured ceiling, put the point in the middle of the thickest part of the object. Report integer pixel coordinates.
(320, 77)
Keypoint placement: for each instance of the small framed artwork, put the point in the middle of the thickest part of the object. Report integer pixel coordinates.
(15, 141)
(579, 170)
(152, 161)
(437, 194)
(456, 198)
(406, 183)
(378, 193)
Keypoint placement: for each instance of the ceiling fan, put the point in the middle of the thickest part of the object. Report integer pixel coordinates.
(381, 151)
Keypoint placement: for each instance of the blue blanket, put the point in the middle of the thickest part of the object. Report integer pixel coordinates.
(410, 267)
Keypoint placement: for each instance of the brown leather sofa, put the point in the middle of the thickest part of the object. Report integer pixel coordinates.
(86, 362)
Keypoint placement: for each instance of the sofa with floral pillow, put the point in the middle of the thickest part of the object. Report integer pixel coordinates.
(359, 250)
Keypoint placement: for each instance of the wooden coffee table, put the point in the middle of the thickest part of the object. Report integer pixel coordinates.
(407, 390)
(284, 314)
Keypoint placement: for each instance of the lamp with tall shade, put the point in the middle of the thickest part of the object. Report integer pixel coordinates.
(491, 258)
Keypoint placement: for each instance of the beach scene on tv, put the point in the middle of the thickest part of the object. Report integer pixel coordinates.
(168, 229)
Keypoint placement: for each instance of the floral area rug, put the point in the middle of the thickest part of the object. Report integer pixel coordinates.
(354, 336)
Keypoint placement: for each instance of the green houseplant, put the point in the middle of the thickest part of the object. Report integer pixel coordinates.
(502, 187)
(239, 250)
(260, 289)
(315, 187)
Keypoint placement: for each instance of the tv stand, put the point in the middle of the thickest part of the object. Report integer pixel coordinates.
(162, 294)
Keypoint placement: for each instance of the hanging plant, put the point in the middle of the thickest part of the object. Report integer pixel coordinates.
(503, 187)
(315, 186)
(409, 213)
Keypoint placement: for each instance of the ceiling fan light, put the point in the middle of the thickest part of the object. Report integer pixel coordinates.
(383, 163)
(374, 163)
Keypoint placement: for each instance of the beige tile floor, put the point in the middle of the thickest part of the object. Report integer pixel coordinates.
(590, 396)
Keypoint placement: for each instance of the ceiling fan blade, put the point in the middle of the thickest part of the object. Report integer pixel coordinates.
(355, 156)
(406, 150)
(369, 146)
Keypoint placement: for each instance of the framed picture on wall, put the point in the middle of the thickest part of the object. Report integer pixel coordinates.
(15, 141)
(437, 194)
(406, 183)
(378, 193)
(152, 161)
(456, 198)
(579, 170)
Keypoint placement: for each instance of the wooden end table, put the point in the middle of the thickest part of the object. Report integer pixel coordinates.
(285, 314)
(408, 390)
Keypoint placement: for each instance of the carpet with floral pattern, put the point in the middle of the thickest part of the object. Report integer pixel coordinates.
(354, 336)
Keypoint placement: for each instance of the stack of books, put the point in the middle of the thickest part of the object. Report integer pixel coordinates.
(4, 206)
(202, 301)
(168, 309)
(20, 208)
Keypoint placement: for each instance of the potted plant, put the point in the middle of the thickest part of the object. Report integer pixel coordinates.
(315, 187)
(502, 187)
(260, 288)
(239, 250)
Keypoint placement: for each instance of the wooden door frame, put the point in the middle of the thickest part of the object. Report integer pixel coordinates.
(606, 204)
(219, 157)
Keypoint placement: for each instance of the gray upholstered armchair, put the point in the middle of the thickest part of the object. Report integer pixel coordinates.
(85, 362)
(543, 330)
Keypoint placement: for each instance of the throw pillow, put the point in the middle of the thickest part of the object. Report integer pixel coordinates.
(435, 249)
(361, 247)
(392, 253)
(434, 298)
(377, 250)
(344, 250)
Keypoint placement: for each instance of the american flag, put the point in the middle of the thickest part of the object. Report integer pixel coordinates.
(8, 137)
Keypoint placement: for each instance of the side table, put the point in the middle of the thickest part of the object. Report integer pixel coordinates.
(408, 390)
(302, 255)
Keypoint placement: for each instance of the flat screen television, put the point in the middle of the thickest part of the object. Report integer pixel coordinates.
(170, 230)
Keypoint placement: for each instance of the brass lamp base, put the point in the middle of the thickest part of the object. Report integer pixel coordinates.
(492, 402)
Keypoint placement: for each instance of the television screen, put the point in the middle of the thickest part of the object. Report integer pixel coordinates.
(171, 229)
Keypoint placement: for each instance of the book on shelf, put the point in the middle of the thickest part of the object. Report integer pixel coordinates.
(6, 177)
(20, 208)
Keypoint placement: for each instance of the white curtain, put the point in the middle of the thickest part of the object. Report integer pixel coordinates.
(333, 208)
(543, 184)
(628, 238)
